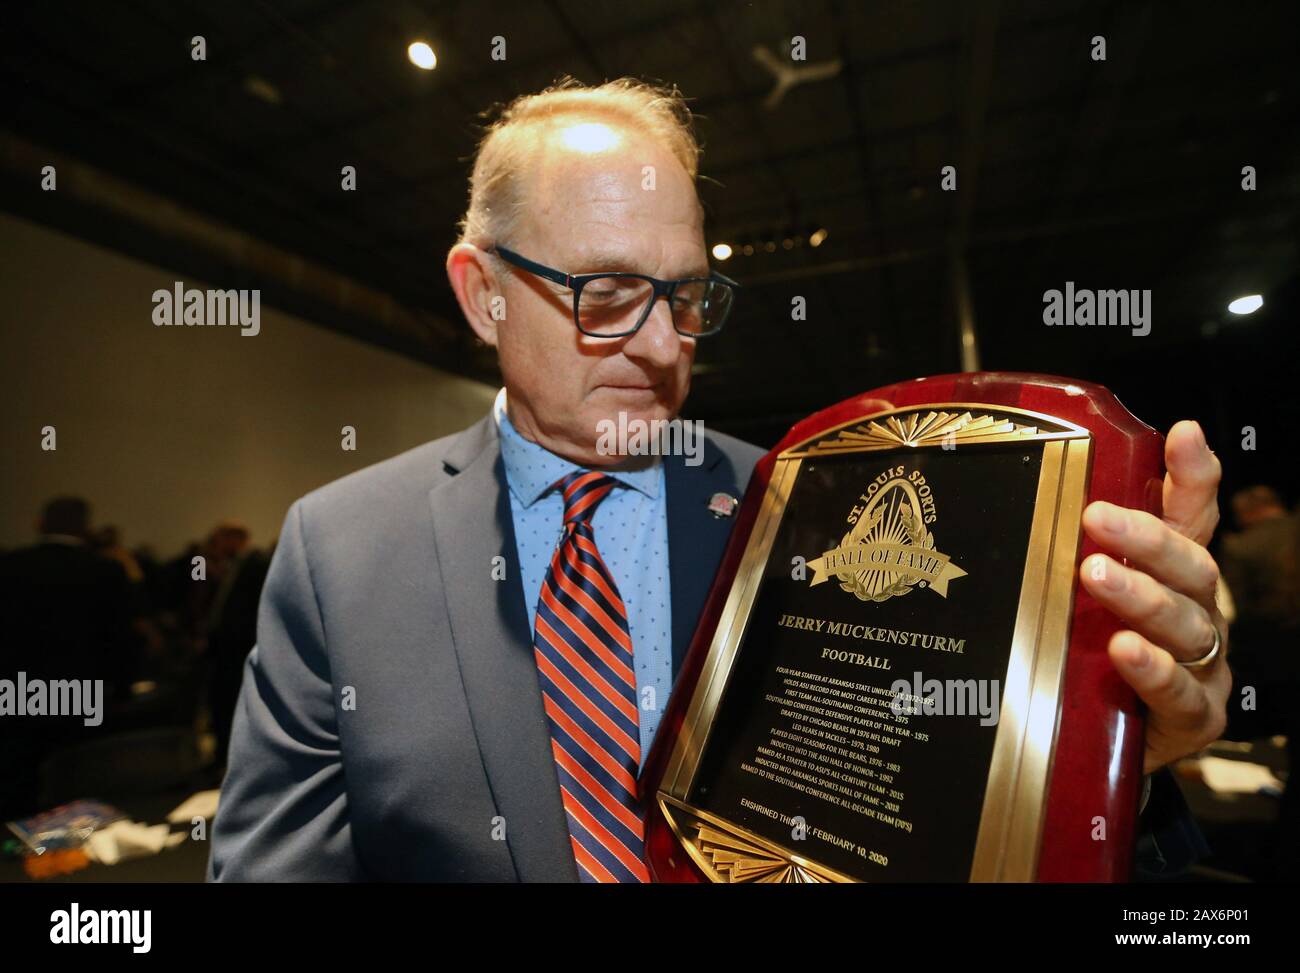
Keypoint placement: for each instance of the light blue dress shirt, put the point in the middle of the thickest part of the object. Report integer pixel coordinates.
(631, 528)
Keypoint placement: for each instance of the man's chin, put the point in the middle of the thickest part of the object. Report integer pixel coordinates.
(644, 405)
(615, 422)
(630, 397)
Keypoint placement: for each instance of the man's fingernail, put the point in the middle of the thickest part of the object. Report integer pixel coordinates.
(1141, 657)
(1113, 519)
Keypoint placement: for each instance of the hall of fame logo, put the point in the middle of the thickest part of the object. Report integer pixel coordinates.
(889, 549)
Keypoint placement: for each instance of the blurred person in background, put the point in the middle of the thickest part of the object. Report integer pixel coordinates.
(231, 634)
(187, 604)
(1261, 567)
(66, 615)
(1260, 563)
(107, 542)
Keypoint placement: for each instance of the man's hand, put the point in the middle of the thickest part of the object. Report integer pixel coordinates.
(1167, 595)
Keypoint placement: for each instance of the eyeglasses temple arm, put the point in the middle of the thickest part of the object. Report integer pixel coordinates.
(541, 270)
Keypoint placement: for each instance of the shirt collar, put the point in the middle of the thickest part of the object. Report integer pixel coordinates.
(532, 469)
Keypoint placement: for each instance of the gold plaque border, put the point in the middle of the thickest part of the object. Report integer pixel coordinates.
(1011, 820)
(762, 861)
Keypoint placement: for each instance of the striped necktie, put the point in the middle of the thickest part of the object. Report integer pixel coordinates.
(584, 660)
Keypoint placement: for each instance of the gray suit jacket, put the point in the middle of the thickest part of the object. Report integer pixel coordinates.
(390, 720)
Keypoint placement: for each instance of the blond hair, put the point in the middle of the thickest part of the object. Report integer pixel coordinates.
(495, 193)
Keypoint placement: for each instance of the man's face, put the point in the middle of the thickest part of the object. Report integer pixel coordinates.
(587, 210)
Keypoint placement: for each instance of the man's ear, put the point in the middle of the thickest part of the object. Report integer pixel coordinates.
(477, 288)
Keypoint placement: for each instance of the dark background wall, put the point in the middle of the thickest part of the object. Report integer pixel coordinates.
(169, 430)
(1116, 173)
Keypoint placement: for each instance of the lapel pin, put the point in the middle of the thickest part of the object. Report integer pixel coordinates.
(722, 505)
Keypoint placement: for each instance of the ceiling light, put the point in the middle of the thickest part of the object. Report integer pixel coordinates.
(817, 237)
(422, 56)
(722, 251)
(1247, 305)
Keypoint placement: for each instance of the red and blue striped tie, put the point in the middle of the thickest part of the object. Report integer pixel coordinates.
(584, 660)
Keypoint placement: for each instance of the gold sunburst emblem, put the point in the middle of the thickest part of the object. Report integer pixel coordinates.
(735, 859)
(888, 551)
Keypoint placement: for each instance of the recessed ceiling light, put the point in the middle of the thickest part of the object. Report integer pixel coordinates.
(422, 56)
(722, 251)
(1247, 305)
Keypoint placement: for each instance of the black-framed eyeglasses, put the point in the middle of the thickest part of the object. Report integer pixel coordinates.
(614, 305)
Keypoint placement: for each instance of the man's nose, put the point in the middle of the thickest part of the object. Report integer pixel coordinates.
(657, 342)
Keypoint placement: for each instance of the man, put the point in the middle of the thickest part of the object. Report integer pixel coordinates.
(404, 715)
(231, 634)
(1261, 565)
(67, 615)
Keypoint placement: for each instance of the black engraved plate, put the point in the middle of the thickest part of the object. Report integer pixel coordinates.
(805, 733)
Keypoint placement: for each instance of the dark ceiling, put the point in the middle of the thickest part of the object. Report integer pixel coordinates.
(1117, 174)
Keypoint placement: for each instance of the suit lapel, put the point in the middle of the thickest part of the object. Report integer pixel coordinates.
(696, 539)
(472, 523)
